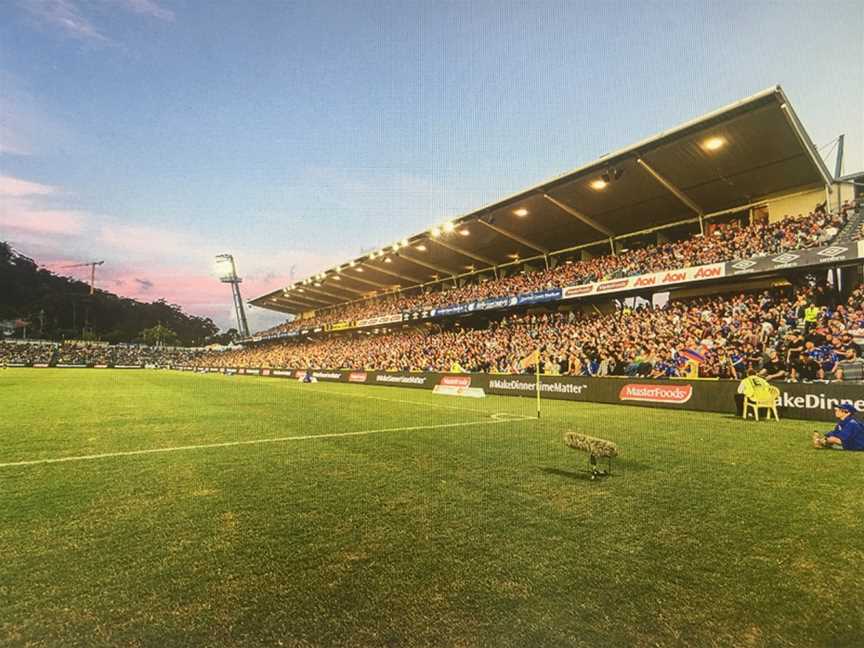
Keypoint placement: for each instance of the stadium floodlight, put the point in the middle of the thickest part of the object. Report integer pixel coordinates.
(713, 143)
(435, 232)
(464, 231)
(388, 260)
(448, 227)
(421, 248)
(227, 272)
(404, 242)
(521, 212)
(599, 184)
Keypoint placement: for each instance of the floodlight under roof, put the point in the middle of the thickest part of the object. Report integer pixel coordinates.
(713, 143)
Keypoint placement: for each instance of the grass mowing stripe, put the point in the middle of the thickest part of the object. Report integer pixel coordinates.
(497, 419)
(711, 532)
(399, 401)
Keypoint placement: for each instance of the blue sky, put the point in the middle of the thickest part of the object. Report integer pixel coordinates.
(156, 133)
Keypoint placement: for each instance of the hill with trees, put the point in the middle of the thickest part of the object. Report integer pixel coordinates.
(56, 307)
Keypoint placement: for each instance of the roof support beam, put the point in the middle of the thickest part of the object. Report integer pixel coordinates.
(804, 140)
(590, 222)
(278, 307)
(513, 237)
(675, 191)
(318, 291)
(471, 255)
(425, 264)
(353, 277)
(341, 286)
(295, 304)
(392, 274)
(309, 298)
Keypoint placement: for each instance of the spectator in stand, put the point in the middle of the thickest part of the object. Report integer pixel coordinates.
(851, 368)
(26, 353)
(773, 368)
(728, 242)
(726, 329)
(804, 369)
(90, 353)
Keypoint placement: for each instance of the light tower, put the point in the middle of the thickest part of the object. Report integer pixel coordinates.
(228, 274)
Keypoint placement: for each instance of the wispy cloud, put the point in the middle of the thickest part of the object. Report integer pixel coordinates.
(23, 210)
(66, 17)
(69, 18)
(17, 215)
(16, 187)
(145, 8)
(146, 261)
(25, 127)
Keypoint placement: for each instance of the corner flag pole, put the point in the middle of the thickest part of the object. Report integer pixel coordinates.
(537, 375)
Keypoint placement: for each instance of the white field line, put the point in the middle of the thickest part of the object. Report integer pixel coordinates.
(496, 419)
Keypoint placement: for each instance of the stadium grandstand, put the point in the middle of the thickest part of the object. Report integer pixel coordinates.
(721, 231)
(100, 355)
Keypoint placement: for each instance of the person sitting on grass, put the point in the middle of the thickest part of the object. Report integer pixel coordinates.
(847, 435)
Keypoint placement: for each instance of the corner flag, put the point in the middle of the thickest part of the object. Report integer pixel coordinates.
(533, 358)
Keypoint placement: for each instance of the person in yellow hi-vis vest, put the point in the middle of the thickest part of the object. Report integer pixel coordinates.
(456, 367)
(811, 317)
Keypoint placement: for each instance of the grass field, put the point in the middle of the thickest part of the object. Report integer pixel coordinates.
(203, 510)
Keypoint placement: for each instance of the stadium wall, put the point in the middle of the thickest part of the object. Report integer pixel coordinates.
(812, 401)
(800, 203)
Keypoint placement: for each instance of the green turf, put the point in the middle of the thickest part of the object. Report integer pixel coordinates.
(471, 531)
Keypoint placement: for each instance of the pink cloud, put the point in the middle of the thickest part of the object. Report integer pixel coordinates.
(10, 186)
(20, 215)
(146, 262)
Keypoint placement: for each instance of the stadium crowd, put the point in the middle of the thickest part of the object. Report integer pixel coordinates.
(728, 242)
(26, 353)
(794, 335)
(82, 353)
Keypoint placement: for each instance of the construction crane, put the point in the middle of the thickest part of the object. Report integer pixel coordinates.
(92, 265)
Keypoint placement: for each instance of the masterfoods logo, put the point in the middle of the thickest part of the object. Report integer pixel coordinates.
(357, 376)
(676, 394)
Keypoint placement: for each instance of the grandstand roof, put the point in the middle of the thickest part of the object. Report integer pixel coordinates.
(732, 157)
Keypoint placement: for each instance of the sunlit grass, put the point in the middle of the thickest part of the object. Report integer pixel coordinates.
(439, 526)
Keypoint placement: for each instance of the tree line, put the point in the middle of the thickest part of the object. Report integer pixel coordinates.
(56, 308)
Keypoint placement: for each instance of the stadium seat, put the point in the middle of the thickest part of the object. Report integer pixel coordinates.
(760, 394)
